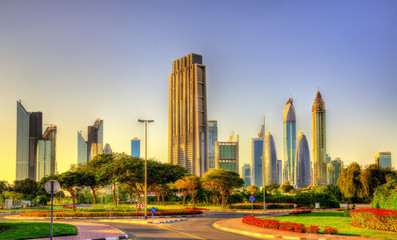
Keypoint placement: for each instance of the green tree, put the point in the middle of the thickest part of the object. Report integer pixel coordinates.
(349, 182)
(74, 182)
(286, 187)
(4, 186)
(127, 189)
(371, 178)
(192, 184)
(252, 188)
(27, 187)
(181, 186)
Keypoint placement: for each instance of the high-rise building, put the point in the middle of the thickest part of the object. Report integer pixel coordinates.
(328, 158)
(289, 122)
(334, 169)
(46, 160)
(303, 177)
(319, 141)
(107, 149)
(269, 167)
(246, 170)
(93, 146)
(256, 157)
(136, 147)
(212, 138)
(227, 154)
(383, 159)
(29, 130)
(279, 172)
(187, 119)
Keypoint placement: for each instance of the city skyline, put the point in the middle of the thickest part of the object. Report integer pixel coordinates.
(350, 59)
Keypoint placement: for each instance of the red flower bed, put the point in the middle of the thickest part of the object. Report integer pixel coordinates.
(66, 213)
(285, 226)
(300, 212)
(65, 206)
(372, 218)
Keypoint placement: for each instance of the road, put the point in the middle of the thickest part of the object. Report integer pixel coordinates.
(193, 228)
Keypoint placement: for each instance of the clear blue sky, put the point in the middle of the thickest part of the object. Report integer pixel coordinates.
(79, 60)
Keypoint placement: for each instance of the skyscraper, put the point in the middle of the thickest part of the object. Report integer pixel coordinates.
(212, 138)
(279, 172)
(289, 123)
(303, 176)
(187, 122)
(107, 148)
(256, 157)
(334, 169)
(383, 159)
(136, 147)
(319, 141)
(246, 170)
(46, 160)
(227, 154)
(269, 160)
(29, 130)
(87, 150)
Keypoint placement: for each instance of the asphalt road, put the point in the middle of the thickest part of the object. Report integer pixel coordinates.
(193, 228)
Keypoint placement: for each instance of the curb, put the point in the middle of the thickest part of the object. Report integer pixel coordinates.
(144, 222)
(125, 236)
(259, 235)
(170, 221)
(104, 218)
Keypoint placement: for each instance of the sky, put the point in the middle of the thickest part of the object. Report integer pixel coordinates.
(76, 61)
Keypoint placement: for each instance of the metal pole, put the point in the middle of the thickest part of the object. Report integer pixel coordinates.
(52, 206)
(264, 199)
(146, 169)
(252, 208)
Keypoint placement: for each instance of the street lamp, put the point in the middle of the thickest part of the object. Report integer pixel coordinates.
(146, 122)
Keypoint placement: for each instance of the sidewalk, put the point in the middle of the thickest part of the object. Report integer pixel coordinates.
(91, 231)
(236, 226)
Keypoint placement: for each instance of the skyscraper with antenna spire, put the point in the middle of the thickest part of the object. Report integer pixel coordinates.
(289, 123)
(319, 141)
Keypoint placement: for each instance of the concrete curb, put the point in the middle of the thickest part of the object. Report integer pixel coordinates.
(143, 222)
(129, 217)
(125, 236)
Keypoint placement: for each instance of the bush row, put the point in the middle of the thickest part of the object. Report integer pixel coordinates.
(285, 226)
(372, 218)
(106, 214)
(260, 206)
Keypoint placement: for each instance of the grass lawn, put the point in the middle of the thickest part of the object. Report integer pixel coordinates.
(48, 208)
(336, 220)
(26, 230)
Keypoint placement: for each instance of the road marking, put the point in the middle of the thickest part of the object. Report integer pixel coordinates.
(161, 225)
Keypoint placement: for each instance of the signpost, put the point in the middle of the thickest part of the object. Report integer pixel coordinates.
(153, 210)
(138, 206)
(252, 193)
(252, 199)
(52, 187)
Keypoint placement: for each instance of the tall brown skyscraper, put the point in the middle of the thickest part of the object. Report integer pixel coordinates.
(187, 119)
(319, 143)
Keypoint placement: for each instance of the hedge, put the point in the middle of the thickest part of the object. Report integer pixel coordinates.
(385, 196)
(260, 206)
(372, 218)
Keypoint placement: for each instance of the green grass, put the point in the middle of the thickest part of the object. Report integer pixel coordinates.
(336, 220)
(32, 209)
(26, 230)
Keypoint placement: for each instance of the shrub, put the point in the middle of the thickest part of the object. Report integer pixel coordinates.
(385, 196)
(312, 229)
(372, 218)
(274, 224)
(260, 206)
(300, 212)
(330, 230)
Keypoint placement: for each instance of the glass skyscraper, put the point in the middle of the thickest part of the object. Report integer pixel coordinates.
(46, 160)
(256, 158)
(383, 159)
(212, 138)
(29, 130)
(303, 176)
(289, 122)
(246, 170)
(87, 150)
(319, 141)
(81, 149)
(227, 154)
(269, 167)
(187, 118)
(136, 147)
(334, 169)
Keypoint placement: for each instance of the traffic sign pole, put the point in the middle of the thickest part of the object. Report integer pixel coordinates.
(52, 206)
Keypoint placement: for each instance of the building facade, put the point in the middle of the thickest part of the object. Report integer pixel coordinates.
(269, 160)
(187, 119)
(289, 123)
(256, 161)
(136, 147)
(303, 177)
(383, 159)
(279, 172)
(46, 159)
(227, 154)
(334, 169)
(107, 149)
(87, 150)
(29, 132)
(212, 138)
(319, 141)
(246, 170)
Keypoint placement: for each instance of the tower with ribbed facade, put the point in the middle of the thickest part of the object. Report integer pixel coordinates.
(303, 176)
(269, 160)
(289, 123)
(187, 119)
(319, 141)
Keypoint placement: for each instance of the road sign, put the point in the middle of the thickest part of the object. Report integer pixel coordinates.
(139, 205)
(153, 210)
(55, 187)
(252, 193)
(252, 198)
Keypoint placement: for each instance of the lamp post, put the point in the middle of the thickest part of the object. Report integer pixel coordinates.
(146, 122)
